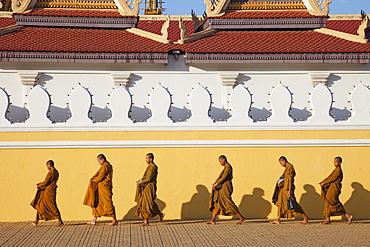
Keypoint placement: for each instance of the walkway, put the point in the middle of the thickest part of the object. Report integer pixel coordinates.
(186, 233)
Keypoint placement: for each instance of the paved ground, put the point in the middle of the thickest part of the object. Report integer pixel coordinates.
(186, 233)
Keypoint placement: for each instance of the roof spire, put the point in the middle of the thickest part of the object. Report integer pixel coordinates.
(153, 7)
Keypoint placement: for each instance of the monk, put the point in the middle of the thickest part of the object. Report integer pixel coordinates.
(220, 201)
(330, 191)
(285, 190)
(99, 192)
(146, 193)
(45, 199)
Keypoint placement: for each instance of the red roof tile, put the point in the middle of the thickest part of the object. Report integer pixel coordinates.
(346, 26)
(273, 42)
(266, 14)
(173, 30)
(6, 21)
(74, 13)
(100, 40)
(78, 40)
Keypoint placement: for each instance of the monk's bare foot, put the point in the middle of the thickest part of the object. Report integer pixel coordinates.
(325, 223)
(304, 222)
(59, 225)
(275, 222)
(93, 223)
(161, 217)
(211, 222)
(350, 219)
(33, 223)
(240, 221)
(144, 224)
(114, 223)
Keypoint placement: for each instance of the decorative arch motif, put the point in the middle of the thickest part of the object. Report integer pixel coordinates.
(281, 102)
(39, 102)
(200, 101)
(160, 103)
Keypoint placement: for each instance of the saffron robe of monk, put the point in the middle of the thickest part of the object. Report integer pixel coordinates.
(330, 192)
(45, 199)
(146, 194)
(99, 192)
(281, 195)
(220, 201)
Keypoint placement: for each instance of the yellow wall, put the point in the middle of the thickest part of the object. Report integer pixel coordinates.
(182, 171)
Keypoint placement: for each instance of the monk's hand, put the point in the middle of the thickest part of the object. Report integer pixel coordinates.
(321, 184)
(138, 183)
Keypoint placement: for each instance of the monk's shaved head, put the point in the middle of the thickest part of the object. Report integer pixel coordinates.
(223, 157)
(50, 162)
(338, 159)
(150, 155)
(102, 157)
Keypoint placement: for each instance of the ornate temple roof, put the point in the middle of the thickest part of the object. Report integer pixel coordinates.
(119, 35)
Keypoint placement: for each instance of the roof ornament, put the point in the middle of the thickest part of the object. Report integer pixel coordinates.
(166, 25)
(216, 7)
(20, 6)
(318, 7)
(183, 30)
(364, 24)
(127, 7)
(195, 19)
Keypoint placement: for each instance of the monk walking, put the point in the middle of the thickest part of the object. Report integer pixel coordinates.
(45, 199)
(285, 190)
(146, 193)
(330, 191)
(99, 192)
(220, 201)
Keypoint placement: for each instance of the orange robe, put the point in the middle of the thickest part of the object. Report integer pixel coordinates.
(220, 201)
(281, 195)
(99, 192)
(45, 199)
(146, 194)
(330, 193)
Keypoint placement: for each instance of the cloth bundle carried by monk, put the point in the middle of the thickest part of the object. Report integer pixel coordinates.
(91, 197)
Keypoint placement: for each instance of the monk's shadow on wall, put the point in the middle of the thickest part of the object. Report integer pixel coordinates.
(311, 202)
(197, 207)
(254, 206)
(130, 215)
(359, 203)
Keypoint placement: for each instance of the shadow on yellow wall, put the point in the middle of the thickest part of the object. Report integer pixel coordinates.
(312, 203)
(197, 207)
(254, 206)
(359, 203)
